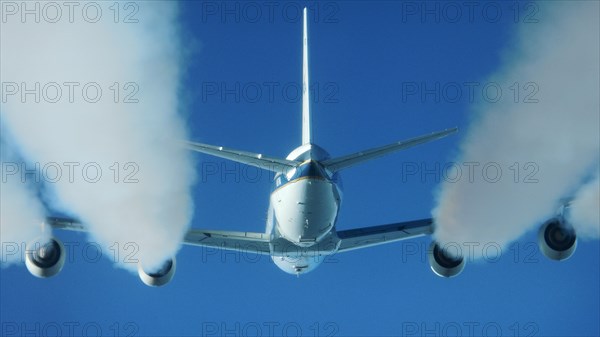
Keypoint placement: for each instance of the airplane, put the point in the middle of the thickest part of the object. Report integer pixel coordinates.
(302, 216)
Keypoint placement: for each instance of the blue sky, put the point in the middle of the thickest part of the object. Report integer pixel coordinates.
(363, 58)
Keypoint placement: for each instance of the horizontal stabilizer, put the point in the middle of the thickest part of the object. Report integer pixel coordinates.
(249, 158)
(336, 164)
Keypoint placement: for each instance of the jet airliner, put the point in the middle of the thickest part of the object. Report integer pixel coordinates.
(304, 206)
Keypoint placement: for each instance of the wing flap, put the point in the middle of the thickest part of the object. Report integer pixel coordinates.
(240, 241)
(371, 236)
(250, 242)
(66, 224)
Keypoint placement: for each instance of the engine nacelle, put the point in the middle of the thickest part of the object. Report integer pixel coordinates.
(45, 258)
(557, 240)
(442, 263)
(159, 277)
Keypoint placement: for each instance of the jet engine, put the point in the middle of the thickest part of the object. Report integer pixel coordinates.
(442, 263)
(45, 258)
(158, 277)
(557, 239)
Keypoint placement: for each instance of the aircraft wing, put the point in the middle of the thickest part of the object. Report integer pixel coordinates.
(249, 158)
(64, 223)
(250, 242)
(258, 243)
(241, 241)
(371, 236)
(336, 164)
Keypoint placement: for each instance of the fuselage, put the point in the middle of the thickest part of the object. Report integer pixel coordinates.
(304, 207)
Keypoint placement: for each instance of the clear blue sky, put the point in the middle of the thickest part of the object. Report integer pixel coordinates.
(363, 56)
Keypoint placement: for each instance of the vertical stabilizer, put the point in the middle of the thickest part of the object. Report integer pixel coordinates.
(306, 123)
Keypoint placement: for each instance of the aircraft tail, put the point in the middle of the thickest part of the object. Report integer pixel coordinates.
(306, 123)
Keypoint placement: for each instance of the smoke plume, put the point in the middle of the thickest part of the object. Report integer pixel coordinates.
(92, 102)
(584, 212)
(532, 150)
(21, 213)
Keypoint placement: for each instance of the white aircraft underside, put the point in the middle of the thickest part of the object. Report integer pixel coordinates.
(304, 206)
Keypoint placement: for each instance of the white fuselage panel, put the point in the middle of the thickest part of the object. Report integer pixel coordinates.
(305, 209)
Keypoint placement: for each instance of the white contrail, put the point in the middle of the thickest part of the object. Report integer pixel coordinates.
(21, 213)
(97, 98)
(543, 149)
(584, 213)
